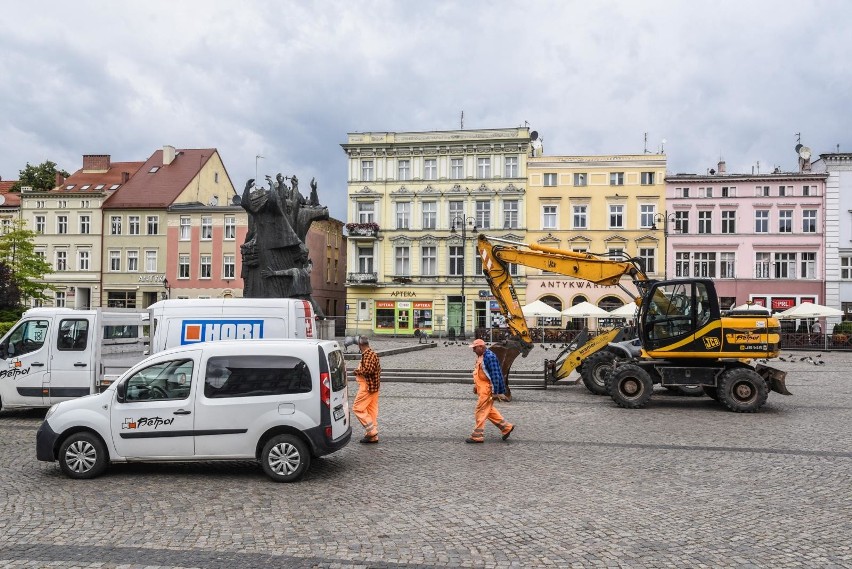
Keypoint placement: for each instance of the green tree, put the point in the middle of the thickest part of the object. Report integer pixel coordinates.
(41, 177)
(17, 250)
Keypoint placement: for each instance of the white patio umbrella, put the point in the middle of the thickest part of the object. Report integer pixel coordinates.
(748, 306)
(586, 310)
(539, 308)
(626, 311)
(809, 310)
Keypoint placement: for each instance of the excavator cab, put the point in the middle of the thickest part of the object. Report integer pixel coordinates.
(680, 318)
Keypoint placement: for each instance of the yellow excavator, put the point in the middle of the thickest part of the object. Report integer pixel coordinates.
(682, 339)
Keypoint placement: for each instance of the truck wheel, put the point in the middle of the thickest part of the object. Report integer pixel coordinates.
(630, 386)
(742, 390)
(285, 458)
(82, 455)
(594, 371)
(711, 392)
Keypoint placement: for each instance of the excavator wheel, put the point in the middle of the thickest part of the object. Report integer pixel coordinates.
(742, 390)
(630, 386)
(594, 371)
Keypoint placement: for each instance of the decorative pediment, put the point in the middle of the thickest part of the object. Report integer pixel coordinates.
(429, 190)
(616, 239)
(401, 241)
(428, 241)
(512, 189)
(647, 237)
(549, 239)
(366, 190)
(456, 189)
(513, 237)
(402, 191)
(454, 240)
(579, 239)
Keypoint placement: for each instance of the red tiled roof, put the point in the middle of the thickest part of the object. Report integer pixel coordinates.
(160, 187)
(6, 185)
(9, 200)
(108, 179)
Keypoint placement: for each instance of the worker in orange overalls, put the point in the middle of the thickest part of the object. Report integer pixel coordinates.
(489, 385)
(366, 405)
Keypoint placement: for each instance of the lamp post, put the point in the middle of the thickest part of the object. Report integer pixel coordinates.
(462, 221)
(168, 292)
(665, 218)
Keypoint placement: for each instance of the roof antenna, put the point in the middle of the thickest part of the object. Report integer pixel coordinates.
(462, 120)
(646, 143)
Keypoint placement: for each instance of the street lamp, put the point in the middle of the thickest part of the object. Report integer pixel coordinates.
(462, 221)
(168, 292)
(666, 218)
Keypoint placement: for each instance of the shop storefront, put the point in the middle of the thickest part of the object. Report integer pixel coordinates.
(403, 317)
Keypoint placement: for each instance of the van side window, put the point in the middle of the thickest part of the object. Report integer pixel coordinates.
(255, 376)
(163, 380)
(337, 370)
(73, 335)
(27, 337)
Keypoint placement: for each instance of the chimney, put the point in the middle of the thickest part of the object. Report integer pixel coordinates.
(124, 177)
(96, 162)
(168, 154)
(721, 168)
(58, 180)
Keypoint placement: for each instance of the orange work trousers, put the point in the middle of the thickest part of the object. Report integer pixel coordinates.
(366, 409)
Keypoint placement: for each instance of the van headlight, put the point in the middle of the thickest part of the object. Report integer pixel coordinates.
(50, 411)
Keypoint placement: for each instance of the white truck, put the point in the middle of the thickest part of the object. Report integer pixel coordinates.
(56, 354)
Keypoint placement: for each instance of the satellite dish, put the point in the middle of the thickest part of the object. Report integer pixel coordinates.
(2, 199)
(799, 147)
(214, 201)
(534, 135)
(805, 153)
(236, 200)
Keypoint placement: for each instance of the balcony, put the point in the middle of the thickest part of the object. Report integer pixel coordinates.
(362, 278)
(363, 231)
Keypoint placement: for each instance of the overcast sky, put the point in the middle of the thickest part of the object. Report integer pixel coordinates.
(288, 80)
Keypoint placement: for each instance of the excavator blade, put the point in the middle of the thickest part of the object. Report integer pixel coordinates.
(775, 378)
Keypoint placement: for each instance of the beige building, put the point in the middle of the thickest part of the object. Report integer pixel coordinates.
(609, 204)
(416, 203)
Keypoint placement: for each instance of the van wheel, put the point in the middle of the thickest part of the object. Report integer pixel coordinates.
(285, 458)
(82, 456)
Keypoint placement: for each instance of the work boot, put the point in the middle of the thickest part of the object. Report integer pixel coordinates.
(509, 432)
(472, 440)
(369, 440)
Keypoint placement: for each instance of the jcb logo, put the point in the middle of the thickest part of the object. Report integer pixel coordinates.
(711, 343)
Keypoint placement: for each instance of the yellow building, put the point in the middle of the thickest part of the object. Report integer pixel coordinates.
(417, 200)
(608, 204)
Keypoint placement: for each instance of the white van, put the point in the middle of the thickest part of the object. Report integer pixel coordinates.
(279, 402)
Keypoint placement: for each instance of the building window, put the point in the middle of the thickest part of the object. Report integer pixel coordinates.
(616, 216)
(646, 215)
(39, 224)
(115, 225)
(206, 227)
(183, 266)
(580, 218)
(85, 224)
(785, 221)
(404, 170)
(205, 267)
(511, 166)
(456, 210)
(456, 261)
(115, 261)
(366, 170)
(727, 265)
(729, 191)
(681, 192)
(548, 216)
(456, 168)
(428, 261)
(761, 265)
(133, 224)
(761, 191)
(121, 299)
(153, 224)
(150, 261)
(705, 192)
(430, 215)
(402, 265)
(403, 212)
(230, 227)
(616, 253)
(846, 268)
(807, 263)
(83, 258)
(133, 261)
(785, 191)
(185, 228)
(430, 169)
(616, 178)
(580, 179)
(483, 167)
(366, 212)
(510, 214)
(809, 221)
(59, 299)
(647, 178)
(61, 224)
(705, 265)
(761, 221)
(705, 222)
(681, 264)
(483, 214)
(61, 260)
(550, 179)
(729, 221)
(649, 259)
(808, 191)
(785, 265)
(365, 259)
(229, 264)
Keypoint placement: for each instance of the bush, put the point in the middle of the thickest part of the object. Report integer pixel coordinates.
(5, 327)
(11, 314)
(843, 327)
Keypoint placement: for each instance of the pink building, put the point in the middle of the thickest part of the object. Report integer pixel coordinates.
(759, 236)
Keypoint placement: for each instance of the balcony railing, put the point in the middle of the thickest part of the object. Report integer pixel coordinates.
(362, 230)
(362, 278)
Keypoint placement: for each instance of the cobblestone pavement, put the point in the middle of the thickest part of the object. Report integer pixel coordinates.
(580, 483)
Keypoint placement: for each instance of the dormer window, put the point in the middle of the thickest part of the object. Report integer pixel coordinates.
(86, 187)
(154, 169)
(99, 187)
(115, 186)
(69, 187)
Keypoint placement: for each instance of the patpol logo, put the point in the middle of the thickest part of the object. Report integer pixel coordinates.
(195, 331)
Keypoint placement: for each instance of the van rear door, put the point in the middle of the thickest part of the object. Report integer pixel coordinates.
(339, 400)
(303, 323)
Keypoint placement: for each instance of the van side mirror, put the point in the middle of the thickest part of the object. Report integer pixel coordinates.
(121, 389)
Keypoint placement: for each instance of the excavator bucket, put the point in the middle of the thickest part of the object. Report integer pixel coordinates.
(775, 378)
(505, 355)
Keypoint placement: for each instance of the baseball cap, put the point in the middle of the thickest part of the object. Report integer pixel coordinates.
(478, 342)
